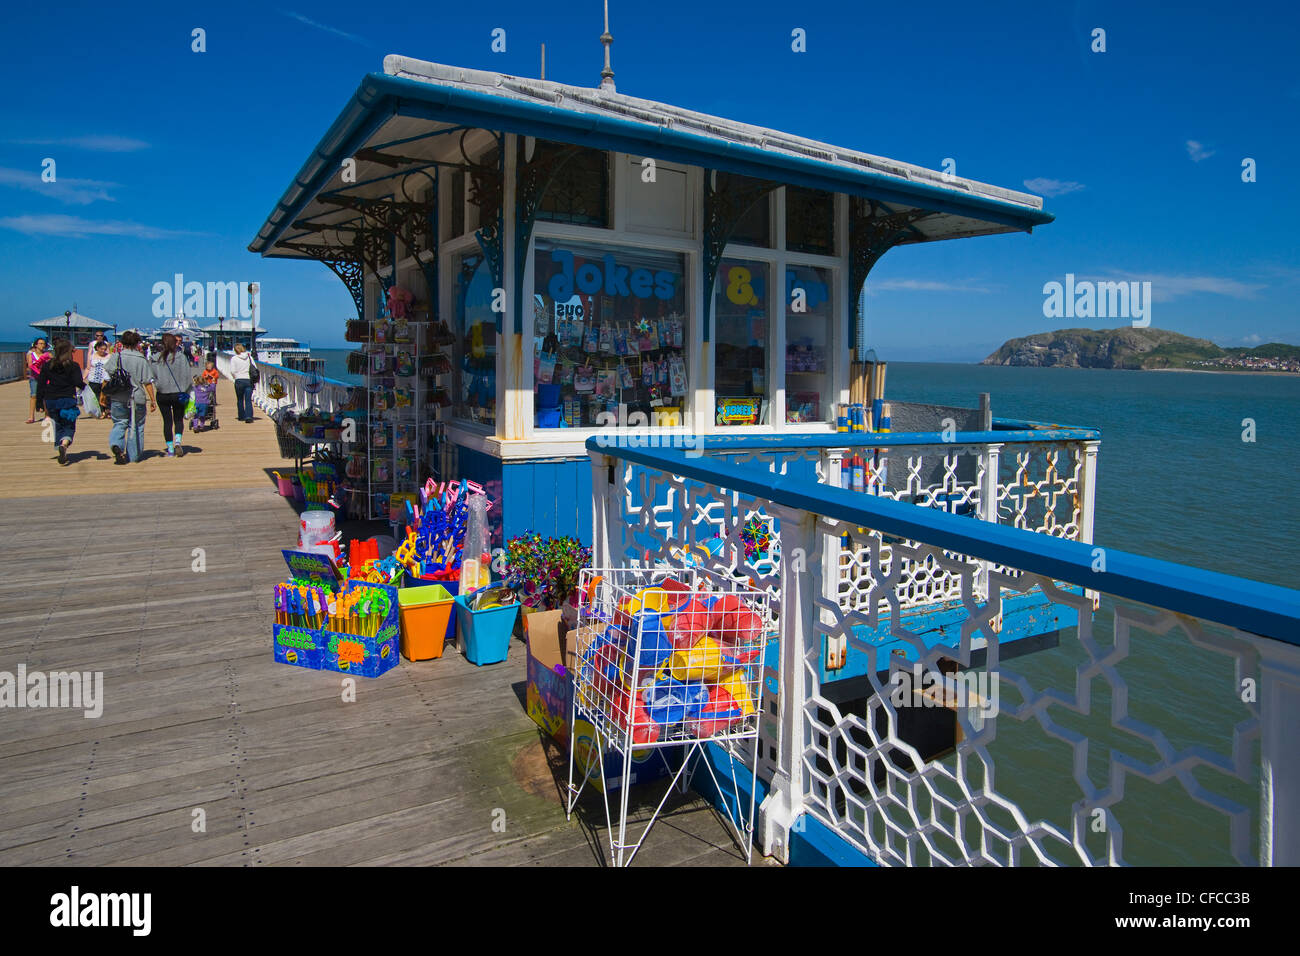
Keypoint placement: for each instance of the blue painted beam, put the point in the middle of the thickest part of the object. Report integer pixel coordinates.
(381, 96)
(1264, 609)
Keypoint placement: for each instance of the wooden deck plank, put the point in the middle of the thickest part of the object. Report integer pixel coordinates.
(197, 714)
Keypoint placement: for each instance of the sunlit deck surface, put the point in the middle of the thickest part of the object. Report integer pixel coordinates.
(97, 574)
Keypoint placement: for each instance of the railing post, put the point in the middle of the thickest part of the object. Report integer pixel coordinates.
(989, 502)
(1279, 706)
(801, 580)
(1088, 490)
(832, 467)
(600, 498)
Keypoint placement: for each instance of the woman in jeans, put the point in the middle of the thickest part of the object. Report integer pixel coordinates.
(126, 405)
(173, 377)
(57, 389)
(240, 363)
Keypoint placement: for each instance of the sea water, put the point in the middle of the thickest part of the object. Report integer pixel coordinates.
(1175, 481)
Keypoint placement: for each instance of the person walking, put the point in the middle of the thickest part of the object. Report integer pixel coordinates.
(57, 389)
(97, 373)
(129, 384)
(34, 361)
(173, 378)
(242, 369)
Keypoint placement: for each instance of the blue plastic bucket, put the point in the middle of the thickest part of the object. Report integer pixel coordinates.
(484, 636)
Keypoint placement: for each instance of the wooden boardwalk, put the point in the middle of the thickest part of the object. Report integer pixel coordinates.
(235, 455)
(99, 572)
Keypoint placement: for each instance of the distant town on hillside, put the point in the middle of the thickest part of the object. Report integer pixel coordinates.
(1141, 348)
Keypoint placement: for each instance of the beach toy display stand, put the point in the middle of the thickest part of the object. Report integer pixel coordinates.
(358, 637)
(667, 661)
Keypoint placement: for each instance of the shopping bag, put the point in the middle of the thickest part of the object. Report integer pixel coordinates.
(191, 409)
(90, 403)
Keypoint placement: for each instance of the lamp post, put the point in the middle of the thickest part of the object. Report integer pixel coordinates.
(253, 289)
(67, 323)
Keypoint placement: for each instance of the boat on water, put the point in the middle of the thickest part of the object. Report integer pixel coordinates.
(224, 335)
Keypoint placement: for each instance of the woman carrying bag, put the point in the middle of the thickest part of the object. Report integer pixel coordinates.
(245, 373)
(173, 378)
(58, 387)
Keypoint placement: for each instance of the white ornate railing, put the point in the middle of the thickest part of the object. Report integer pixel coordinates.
(1157, 730)
(302, 390)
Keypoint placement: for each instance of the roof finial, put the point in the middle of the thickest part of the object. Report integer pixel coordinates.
(607, 74)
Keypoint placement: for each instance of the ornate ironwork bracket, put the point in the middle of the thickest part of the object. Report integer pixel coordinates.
(346, 262)
(532, 178)
(487, 192)
(872, 233)
(724, 205)
(413, 221)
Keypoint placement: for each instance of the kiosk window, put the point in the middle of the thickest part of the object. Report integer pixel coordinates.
(754, 228)
(808, 327)
(809, 221)
(476, 341)
(741, 319)
(578, 192)
(610, 336)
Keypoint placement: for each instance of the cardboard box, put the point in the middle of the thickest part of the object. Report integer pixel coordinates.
(549, 697)
(298, 647)
(552, 654)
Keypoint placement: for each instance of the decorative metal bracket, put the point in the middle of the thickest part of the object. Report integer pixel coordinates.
(412, 221)
(532, 179)
(725, 203)
(349, 259)
(487, 192)
(872, 233)
(344, 261)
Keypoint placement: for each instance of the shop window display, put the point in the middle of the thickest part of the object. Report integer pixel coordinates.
(476, 341)
(741, 315)
(808, 330)
(610, 336)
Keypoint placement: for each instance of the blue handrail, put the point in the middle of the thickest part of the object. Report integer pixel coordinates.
(1029, 433)
(1259, 608)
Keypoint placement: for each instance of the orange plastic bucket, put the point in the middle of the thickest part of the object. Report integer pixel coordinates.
(424, 613)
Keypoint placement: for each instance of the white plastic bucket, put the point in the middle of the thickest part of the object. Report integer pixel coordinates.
(315, 526)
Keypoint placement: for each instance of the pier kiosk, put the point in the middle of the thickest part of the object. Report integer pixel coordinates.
(604, 264)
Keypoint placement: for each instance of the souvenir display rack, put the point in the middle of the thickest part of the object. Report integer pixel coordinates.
(396, 413)
(596, 353)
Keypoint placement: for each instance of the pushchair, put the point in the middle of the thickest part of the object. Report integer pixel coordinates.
(205, 409)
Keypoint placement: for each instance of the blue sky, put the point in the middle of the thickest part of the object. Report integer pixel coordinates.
(169, 160)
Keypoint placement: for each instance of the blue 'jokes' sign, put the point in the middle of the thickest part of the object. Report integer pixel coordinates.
(607, 277)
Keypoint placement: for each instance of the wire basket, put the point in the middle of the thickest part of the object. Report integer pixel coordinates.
(670, 656)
